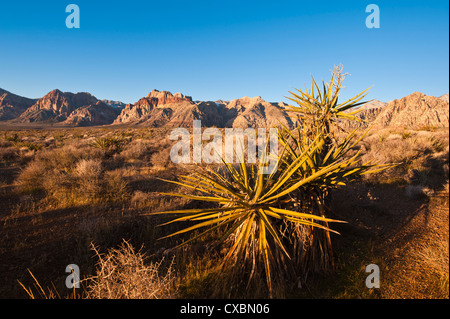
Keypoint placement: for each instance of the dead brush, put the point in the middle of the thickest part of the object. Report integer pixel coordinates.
(124, 274)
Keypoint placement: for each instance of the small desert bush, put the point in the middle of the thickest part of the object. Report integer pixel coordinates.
(49, 162)
(136, 150)
(8, 154)
(32, 177)
(161, 158)
(67, 156)
(5, 143)
(115, 187)
(124, 274)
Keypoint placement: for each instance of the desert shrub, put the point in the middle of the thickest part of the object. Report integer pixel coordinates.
(31, 146)
(115, 187)
(423, 152)
(60, 188)
(67, 156)
(124, 274)
(141, 199)
(73, 175)
(161, 158)
(8, 154)
(31, 177)
(136, 150)
(88, 169)
(5, 143)
(88, 174)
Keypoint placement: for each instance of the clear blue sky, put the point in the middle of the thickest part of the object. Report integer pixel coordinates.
(222, 49)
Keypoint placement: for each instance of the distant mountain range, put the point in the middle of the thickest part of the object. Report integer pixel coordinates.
(162, 108)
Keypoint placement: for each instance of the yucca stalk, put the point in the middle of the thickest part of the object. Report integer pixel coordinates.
(318, 108)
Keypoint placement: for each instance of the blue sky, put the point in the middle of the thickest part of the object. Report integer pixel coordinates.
(223, 49)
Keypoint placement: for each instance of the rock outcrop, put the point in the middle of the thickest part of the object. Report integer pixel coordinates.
(165, 109)
(12, 105)
(143, 110)
(255, 112)
(414, 111)
(95, 114)
(56, 106)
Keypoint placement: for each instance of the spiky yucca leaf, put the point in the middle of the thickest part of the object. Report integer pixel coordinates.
(323, 107)
(250, 204)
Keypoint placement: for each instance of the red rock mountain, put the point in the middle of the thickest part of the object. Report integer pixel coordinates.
(255, 112)
(12, 105)
(143, 109)
(413, 111)
(99, 113)
(162, 108)
(56, 106)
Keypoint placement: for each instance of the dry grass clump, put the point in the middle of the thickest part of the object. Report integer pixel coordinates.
(15, 154)
(73, 175)
(141, 199)
(136, 150)
(423, 154)
(31, 178)
(67, 156)
(8, 153)
(161, 158)
(115, 187)
(124, 274)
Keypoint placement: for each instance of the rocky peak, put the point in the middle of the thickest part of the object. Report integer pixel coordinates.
(12, 105)
(56, 106)
(415, 110)
(143, 108)
(99, 113)
(246, 101)
(444, 97)
(166, 97)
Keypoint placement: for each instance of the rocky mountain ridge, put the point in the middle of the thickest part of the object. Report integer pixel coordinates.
(12, 105)
(162, 108)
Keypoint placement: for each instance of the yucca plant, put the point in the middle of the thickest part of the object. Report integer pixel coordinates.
(272, 220)
(311, 249)
(250, 205)
(318, 113)
(111, 144)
